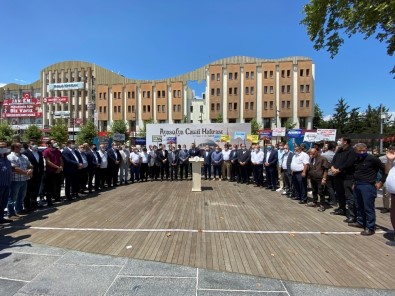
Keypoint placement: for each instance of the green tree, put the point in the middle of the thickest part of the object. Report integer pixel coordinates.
(6, 132)
(355, 123)
(326, 20)
(255, 126)
(219, 119)
(340, 117)
(289, 124)
(32, 133)
(87, 133)
(118, 127)
(318, 120)
(59, 132)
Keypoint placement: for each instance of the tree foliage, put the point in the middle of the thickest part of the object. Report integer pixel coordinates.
(327, 20)
(59, 132)
(318, 120)
(118, 127)
(6, 132)
(289, 124)
(32, 133)
(219, 118)
(255, 126)
(87, 133)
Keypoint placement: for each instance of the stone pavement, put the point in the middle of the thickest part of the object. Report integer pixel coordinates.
(33, 269)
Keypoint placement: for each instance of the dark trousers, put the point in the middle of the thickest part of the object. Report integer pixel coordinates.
(344, 195)
(104, 177)
(287, 181)
(217, 170)
(318, 190)
(33, 187)
(114, 175)
(365, 195)
(144, 171)
(173, 171)
(207, 171)
(184, 168)
(4, 194)
(83, 178)
(330, 186)
(243, 173)
(52, 184)
(271, 176)
(298, 182)
(258, 174)
(235, 170)
(155, 172)
(164, 170)
(91, 175)
(135, 173)
(72, 185)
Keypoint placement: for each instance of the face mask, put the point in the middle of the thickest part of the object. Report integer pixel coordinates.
(22, 150)
(34, 147)
(281, 148)
(362, 155)
(286, 150)
(207, 149)
(339, 143)
(4, 150)
(94, 149)
(72, 147)
(269, 148)
(256, 149)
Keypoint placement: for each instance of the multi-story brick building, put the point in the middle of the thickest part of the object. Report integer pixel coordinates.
(237, 89)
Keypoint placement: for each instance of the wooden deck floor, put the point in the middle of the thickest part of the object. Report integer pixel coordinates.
(227, 227)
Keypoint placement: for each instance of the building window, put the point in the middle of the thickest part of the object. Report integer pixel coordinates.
(246, 105)
(100, 109)
(100, 95)
(282, 73)
(307, 72)
(307, 88)
(247, 90)
(144, 109)
(307, 103)
(265, 105)
(174, 94)
(266, 123)
(149, 108)
(174, 108)
(212, 91)
(133, 108)
(115, 109)
(191, 109)
(105, 109)
(230, 91)
(252, 90)
(235, 75)
(301, 104)
(179, 108)
(302, 122)
(265, 74)
(218, 106)
(148, 94)
(301, 88)
(301, 72)
(288, 89)
(230, 106)
(119, 95)
(230, 76)
(218, 77)
(144, 94)
(265, 89)
(159, 108)
(129, 109)
(218, 91)
(158, 93)
(132, 94)
(288, 104)
(288, 73)
(104, 96)
(251, 105)
(247, 75)
(271, 89)
(128, 94)
(163, 94)
(282, 89)
(119, 109)
(283, 104)
(271, 74)
(163, 108)
(179, 93)
(252, 75)
(235, 91)
(212, 107)
(235, 106)
(271, 105)
(212, 77)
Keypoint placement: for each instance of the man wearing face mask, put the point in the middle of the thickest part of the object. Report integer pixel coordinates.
(183, 157)
(257, 165)
(5, 180)
(235, 164)
(22, 171)
(72, 163)
(270, 163)
(216, 160)
(286, 170)
(53, 172)
(280, 153)
(243, 158)
(365, 188)
(207, 162)
(33, 184)
(343, 176)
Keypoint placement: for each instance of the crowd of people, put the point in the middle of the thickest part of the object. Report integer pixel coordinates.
(338, 174)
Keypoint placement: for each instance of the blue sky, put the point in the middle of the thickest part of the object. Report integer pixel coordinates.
(159, 39)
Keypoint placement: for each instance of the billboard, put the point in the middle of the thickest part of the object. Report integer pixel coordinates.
(66, 86)
(51, 100)
(22, 107)
(200, 134)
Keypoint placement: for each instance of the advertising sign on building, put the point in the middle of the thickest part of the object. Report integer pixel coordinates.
(66, 86)
(294, 133)
(61, 114)
(118, 137)
(51, 100)
(22, 107)
(326, 134)
(200, 134)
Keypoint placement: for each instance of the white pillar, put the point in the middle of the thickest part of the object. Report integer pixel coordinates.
(259, 94)
(169, 104)
(277, 115)
(242, 119)
(295, 104)
(139, 107)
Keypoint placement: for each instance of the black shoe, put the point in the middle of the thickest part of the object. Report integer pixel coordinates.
(367, 232)
(295, 198)
(273, 189)
(355, 224)
(350, 220)
(384, 211)
(269, 187)
(302, 202)
(4, 220)
(340, 212)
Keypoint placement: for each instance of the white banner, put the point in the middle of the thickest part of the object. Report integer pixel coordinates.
(278, 132)
(66, 86)
(326, 135)
(310, 137)
(200, 134)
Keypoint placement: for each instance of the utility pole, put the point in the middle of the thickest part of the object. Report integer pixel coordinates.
(382, 116)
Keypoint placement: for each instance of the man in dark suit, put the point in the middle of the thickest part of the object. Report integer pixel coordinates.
(33, 184)
(193, 151)
(162, 156)
(93, 167)
(114, 159)
(72, 162)
(173, 162)
(235, 163)
(207, 162)
(270, 161)
(243, 158)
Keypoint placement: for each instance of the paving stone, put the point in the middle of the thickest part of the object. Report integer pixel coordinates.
(153, 286)
(81, 258)
(72, 280)
(209, 279)
(151, 268)
(24, 266)
(238, 293)
(31, 248)
(9, 287)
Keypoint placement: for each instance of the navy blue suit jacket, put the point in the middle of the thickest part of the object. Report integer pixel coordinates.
(69, 161)
(273, 159)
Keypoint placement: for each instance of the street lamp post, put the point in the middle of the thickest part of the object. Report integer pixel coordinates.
(382, 117)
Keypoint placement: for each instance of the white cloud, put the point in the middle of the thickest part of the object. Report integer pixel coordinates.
(327, 117)
(20, 80)
(2, 84)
